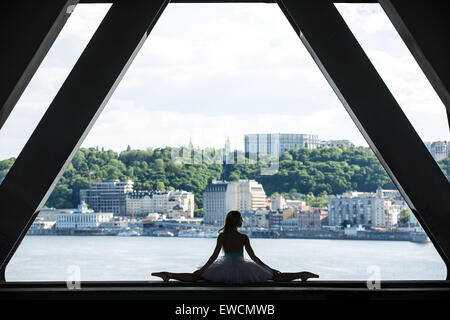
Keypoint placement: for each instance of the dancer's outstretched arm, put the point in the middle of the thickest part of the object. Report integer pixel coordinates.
(213, 256)
(195, 275)
(252, 255)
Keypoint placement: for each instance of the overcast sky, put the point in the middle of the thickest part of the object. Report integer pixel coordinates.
(222, 70)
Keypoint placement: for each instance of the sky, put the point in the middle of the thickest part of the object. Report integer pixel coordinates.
(212, 71)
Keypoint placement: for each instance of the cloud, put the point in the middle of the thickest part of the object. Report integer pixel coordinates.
(219, 70)
(126, 123)
(398, 69)
(49, 77)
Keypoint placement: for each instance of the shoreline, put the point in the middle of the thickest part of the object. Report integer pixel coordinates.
(375, 236)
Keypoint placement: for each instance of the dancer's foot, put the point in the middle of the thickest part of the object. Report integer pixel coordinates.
(306, 275)
(164, 275)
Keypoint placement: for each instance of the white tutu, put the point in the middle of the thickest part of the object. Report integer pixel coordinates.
(233, 268)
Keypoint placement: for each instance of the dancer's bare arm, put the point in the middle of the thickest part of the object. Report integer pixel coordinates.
(252, 255)
(213, 256)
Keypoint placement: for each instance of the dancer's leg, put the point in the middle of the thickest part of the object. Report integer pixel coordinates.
(289, 276)
(185, 277)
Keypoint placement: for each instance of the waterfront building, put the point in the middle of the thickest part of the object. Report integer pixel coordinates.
(324, 217)
(220, 197)
(255, 218)
(49, 214)
(337, 143)
(42, 226)
(290, 224)
(392, 214)
(288, 213)
(357, 208)
(107, 196)
(309, 218)
(280, 203)
(275, 220)
(215, 203)
(81, 218)
(173, 204)
(439, 149)
(277, 143)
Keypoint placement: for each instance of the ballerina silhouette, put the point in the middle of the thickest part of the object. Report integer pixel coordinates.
(232, 267)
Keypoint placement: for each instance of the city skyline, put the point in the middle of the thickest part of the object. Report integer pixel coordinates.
(223, 72)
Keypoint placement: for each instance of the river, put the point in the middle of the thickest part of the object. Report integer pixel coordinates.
(47, 258)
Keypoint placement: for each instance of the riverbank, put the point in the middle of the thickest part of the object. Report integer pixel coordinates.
(419, 237)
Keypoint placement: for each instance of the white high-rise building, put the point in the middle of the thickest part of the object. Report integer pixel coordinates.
(277, 143)
(221, 197)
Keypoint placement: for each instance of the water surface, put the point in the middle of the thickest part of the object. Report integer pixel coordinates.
(46, 258)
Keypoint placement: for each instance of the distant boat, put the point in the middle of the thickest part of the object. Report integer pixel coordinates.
(163, 234)
(211, 234)
(129, 233)
(191, 233)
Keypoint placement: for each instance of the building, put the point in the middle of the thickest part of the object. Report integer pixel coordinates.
(357, 208)
(255, 218)
(49, 214)
(277, 143)
(337, 143)
(280, 203)
(439, 149)
(81, 218)
(381, 209)
(290, 224)
(309, 219)
(220, 197)
(324, 217)
(107, 196)
(174, 203)
(288, 213)
(389, 194)
(295, 204)
(392, 213)
(215, 203)
(41, 226)
(275, 220)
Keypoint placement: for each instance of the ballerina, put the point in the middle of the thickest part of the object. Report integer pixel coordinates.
(232, 267)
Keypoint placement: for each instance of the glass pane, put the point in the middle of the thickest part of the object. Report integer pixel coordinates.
(403, 76)
(47, 80)
(212, 79)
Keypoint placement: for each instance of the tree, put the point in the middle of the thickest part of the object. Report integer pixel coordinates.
(445, 167)
(316, 172)
(404, 216)
(160, 186)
